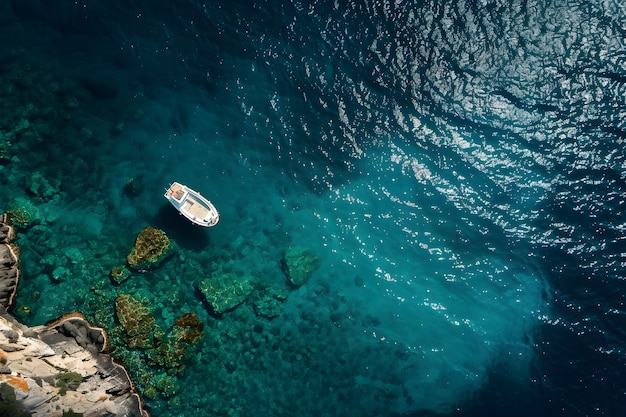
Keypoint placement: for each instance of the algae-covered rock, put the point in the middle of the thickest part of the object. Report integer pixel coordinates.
(270, 302)
(136, 321)
(299, 264)
(226, 291)
(119, 274)
(167, 385)
(151, 247)
(188, 328)
(22, 213)
(176, 346)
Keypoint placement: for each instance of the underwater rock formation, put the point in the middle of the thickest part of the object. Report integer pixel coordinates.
(299, 265)
(151, 247)
(119, 274)
(157, 363)
(9, 264)
(269, 302)
(22, 213)
(61, 368)
(226, 291)
(136, 321)
(5, 154)
(172, 351)
(40, 186)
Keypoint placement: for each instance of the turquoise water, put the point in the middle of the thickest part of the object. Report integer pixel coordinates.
(458, 169)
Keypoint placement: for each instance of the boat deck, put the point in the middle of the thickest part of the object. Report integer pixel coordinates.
(192, 205)
(195, 208)
(176, 191)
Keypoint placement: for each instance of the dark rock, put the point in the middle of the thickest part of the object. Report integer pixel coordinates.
(299, 264)
(9, 264)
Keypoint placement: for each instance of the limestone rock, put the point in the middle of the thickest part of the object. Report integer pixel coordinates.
(62, 366)
(8, 402)
(151, 247)
(9, 264)
(299, 264)
(226, 291)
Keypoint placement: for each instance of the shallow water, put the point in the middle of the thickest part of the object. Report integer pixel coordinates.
(458, 169)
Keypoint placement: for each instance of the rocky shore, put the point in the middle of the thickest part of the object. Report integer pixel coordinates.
(60, 369)
(9, 270)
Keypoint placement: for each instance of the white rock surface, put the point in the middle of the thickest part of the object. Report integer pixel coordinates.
(32, 361)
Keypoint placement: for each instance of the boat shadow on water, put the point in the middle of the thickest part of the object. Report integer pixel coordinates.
(182, 231)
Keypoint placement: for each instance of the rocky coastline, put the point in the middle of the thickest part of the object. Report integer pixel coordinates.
(59, 369)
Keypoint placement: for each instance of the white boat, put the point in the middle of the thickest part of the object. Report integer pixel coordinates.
(192, 205)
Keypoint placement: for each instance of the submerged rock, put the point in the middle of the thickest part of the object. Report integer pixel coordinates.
(133, 187)
(174, 349)
(151, 247)
(226, 291)
(136, 320)
(22, 213)
(5, 155)
(60, 273)
(270, 302)
(167, 385)
(40, 186)
(299, 265)
(119, 274)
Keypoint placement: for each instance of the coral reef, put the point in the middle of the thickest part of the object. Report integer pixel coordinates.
(226, 291)
(151, 247)
(299, 265)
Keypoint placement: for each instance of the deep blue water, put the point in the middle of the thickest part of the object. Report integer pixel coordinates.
(458, 167)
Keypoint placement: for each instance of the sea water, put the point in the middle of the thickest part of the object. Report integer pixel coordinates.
(458, 168)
